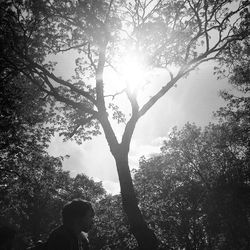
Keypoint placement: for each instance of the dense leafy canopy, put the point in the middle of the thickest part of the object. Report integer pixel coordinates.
(195, 194)
(111, 229)
(33, 186)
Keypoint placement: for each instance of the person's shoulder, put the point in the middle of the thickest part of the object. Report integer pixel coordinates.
(58, 239)
(58, 233)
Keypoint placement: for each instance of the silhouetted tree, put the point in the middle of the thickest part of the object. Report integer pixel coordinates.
(33, 186)
(32, 200)
(85, 188)
(195, 193)
(111, 229)
(23, 127)
(163, 33)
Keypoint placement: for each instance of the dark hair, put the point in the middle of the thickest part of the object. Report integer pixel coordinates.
(75, 209)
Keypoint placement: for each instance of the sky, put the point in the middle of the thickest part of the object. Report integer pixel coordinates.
(193, 100)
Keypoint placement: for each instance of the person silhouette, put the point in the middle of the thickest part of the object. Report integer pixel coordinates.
(77, 218)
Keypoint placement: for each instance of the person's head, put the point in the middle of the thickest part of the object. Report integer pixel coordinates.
(78, 214)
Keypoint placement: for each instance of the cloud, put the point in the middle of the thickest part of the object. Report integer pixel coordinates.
(92, 158)
(159, 141)
(111, 187)
(138, 150)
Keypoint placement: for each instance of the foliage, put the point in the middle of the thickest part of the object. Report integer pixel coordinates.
(182, 33)
(27, 195)
(23, 121)
(33, 186)
(198, 187)
(111, 229)
(195, 194)
(235, 61)
(32, 199)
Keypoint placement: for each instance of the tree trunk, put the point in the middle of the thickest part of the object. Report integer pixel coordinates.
(145, 237)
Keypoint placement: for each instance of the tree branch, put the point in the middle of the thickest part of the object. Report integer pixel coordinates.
(109, 9)
(130, 126)
(53, 92)
(62, 82)
(116, 94)
(81, 122)
(99, 78)
(159, 94)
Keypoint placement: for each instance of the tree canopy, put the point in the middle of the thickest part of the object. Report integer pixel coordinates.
(195, 193)
(161, 34)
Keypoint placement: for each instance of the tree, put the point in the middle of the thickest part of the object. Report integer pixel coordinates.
(111, 230)
(33, 187)
(85, 188)
(235, 61)
(27, 196)
(200, 181)
(184, 33)
(32, 200)
(195, 193)
(23, 123)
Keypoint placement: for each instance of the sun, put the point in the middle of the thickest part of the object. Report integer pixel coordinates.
(133, 71)
(129, 73)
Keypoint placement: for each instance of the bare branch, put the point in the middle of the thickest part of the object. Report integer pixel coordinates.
(158, 95)
(153, 10)
(205, 25)
(170, 73)
(71, 47)
(116, 94)
(99, 78)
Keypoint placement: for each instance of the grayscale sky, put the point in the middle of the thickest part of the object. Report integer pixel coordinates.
(193, 100)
